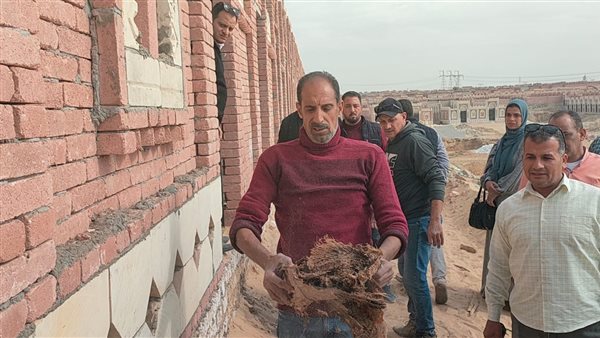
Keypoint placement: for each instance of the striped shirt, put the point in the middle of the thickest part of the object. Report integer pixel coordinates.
(551, 248)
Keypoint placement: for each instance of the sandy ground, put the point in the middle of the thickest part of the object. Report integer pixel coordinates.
(465, 313)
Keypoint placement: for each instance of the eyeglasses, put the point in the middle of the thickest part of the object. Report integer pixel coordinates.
(231, 10)
(388, 107)
(545, 128)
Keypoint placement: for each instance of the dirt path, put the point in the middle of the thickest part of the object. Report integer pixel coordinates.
(465, 313)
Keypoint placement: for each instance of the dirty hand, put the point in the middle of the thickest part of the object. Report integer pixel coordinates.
(493, 330)
(384, 275)
(279, 290)
(493, 191)
(435, 233)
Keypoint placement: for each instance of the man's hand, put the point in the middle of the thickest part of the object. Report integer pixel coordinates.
(279, 290)
(435, 233)
(493, 330)
(493, 191)
(384, 275)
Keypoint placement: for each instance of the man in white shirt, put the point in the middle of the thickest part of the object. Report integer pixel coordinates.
(547, 238)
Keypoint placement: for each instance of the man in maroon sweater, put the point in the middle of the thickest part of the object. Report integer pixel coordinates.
(321, 184)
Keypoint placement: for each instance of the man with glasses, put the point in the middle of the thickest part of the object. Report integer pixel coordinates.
(225, 19)
(420, 186)
(547, 238)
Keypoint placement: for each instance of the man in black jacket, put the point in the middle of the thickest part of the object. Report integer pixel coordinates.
(420, 186)
(290, 127)
(225, 18)
(353, 125)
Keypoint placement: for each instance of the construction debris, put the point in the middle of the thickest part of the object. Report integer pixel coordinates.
(336, 279)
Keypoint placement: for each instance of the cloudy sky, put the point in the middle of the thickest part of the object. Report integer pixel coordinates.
(379, 45)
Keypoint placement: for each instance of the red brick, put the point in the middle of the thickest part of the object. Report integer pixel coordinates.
(88, 125)
(100, 166)
(19, 273)
(47, 35)
(29, 85)
(20, 14)
(77, 95)
(74, 121)
(126, 161)
(56, 122)
(31, 121)
(12, 319)
(141, 173)
(117, 182)
(117, 143)
(78, 3)
(208, 161)
(122, 240)
(39, 226)
(108, 251)
(57, 149)
(58, 66)
(24, 158)
(17, 197)
(61, 204)
(162, 135)
(110, 203)
(58, 12)
(166, 179)
(137, 228)
(40, 297)
(68, 175)
(147, 137)
(125, 121)
(7, 122)
(18, 48)
(54, 94)
(12, 240)
(147, 24)
(7, 85)
(90, 264)
(87, 194)
(85, 70)
(81, 20)
(111, 63)
(73, 42)
(129, 197)
(81, 146)
(76, 224)
(69, 279)
(150, 187)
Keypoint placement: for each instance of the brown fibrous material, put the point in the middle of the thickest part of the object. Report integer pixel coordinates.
(336, 279)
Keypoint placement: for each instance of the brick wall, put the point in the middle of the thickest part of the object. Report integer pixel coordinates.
(108, 126)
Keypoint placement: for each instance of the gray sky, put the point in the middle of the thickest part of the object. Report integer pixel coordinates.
(381, 45)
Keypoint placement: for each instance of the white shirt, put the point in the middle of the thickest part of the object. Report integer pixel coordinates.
(551, 248)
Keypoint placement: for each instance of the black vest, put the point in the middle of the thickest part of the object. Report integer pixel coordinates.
(371, 131)
(221, 86)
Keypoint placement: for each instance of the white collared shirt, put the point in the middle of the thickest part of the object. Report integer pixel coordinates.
(551, 248)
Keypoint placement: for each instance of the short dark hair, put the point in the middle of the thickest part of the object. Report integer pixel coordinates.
(322, 74)
(573, 115)
(408, 107)
(352, 93)
(221, 6)
(540, 136)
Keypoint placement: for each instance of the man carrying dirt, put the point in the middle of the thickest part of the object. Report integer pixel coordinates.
(420, 185)
(547, 238)
(321, 184)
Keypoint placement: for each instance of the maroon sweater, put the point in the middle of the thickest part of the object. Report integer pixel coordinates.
(321, 189)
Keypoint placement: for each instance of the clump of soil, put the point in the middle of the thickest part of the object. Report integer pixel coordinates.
(336, 279)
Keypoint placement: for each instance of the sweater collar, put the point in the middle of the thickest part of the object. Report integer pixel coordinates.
(307, 143)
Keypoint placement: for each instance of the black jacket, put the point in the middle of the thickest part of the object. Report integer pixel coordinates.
(371, 131)
(221, 85)
(290, 127)
(417, 175)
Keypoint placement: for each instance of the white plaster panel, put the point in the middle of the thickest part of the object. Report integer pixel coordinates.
(145, 96)
(205, 266)
(130, 280)
(195, 281)
(201, 211)
(171, 98)
(186, 230)
(215, 198)
(169, 320)
(142, 70)
(144, 332)
(164, 244)
(130, 10)
(217, 246)
(85, 314)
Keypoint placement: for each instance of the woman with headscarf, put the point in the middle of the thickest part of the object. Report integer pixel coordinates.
(504, 166)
